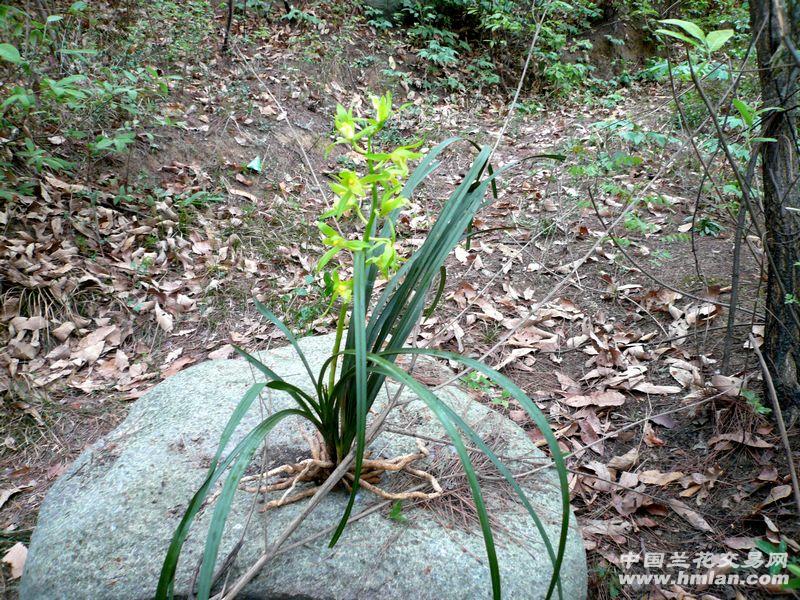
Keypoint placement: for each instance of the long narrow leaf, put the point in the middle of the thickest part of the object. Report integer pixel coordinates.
(244, 455)
(436, 406)
(357, 327)
(287, 332)
(541, 423)
(438, 295)
(170, 565)
(164, 589)
(301, 397)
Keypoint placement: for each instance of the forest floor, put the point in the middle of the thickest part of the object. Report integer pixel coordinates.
(665, 455)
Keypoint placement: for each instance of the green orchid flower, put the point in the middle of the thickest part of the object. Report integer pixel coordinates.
(398, 158)
(401, 156)
(391, 201)
(388, 260)
(336, 287)
(383, 107)
(345, 123)
(350, 188)
(349, 183)
(332, 238)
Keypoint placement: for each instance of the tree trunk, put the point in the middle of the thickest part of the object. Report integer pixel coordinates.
(778, 20)
(228, 25)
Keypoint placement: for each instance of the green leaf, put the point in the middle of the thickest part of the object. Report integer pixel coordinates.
(439, 293)
(745, 110)
(680, 36)
(289, 335)
(169, 568)
(689, 27)
(716, 39)
(541, 423)
(358, 316)
(306, 402)
(243, 455)
(10, 54)
(255, 165)
(396, 514)
(766, 547)
(436, 407)
(83, 51)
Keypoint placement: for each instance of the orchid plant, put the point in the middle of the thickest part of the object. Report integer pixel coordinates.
(370, 334)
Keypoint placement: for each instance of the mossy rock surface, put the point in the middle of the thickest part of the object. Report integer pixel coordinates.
(106, 523)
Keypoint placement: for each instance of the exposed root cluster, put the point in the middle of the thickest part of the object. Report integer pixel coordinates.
(317, 467)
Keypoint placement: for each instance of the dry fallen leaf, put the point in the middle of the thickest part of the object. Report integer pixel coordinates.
(15, 558)
(656, 477)
(221, 352)
(648, 388)
(616, 529)
(729, 386)
(777, 493)
(177, 366)
(650, 437)
(567, 384)
(628, 479)
(6, 493)
(694, 519)
(740, 437)
(625, 461)
(606, 398)
(164, 319)
(739, 543)
(603, 480)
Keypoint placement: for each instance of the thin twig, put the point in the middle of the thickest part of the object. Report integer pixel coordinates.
(615, 433)
(776, 406)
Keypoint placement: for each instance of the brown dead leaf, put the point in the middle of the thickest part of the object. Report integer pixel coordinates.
(693, 518)
(603, 481)
(729, 386)
(625, 461)
(63, 331)
(6, 493)
(612, 528)
(177, 366)
(513, 357)
(15, 558)
(650, 437)
(740, 543)
(602, 399)
(163, 318)
(685, 373)
(656, 477)
(221, 352)
(489, 309)
(662, 390)
(768, 473)
(567, 384)
(779, 492)
(740, 437)
(243, 194)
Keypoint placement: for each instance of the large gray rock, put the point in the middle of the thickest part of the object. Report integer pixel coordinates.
(106, 523)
